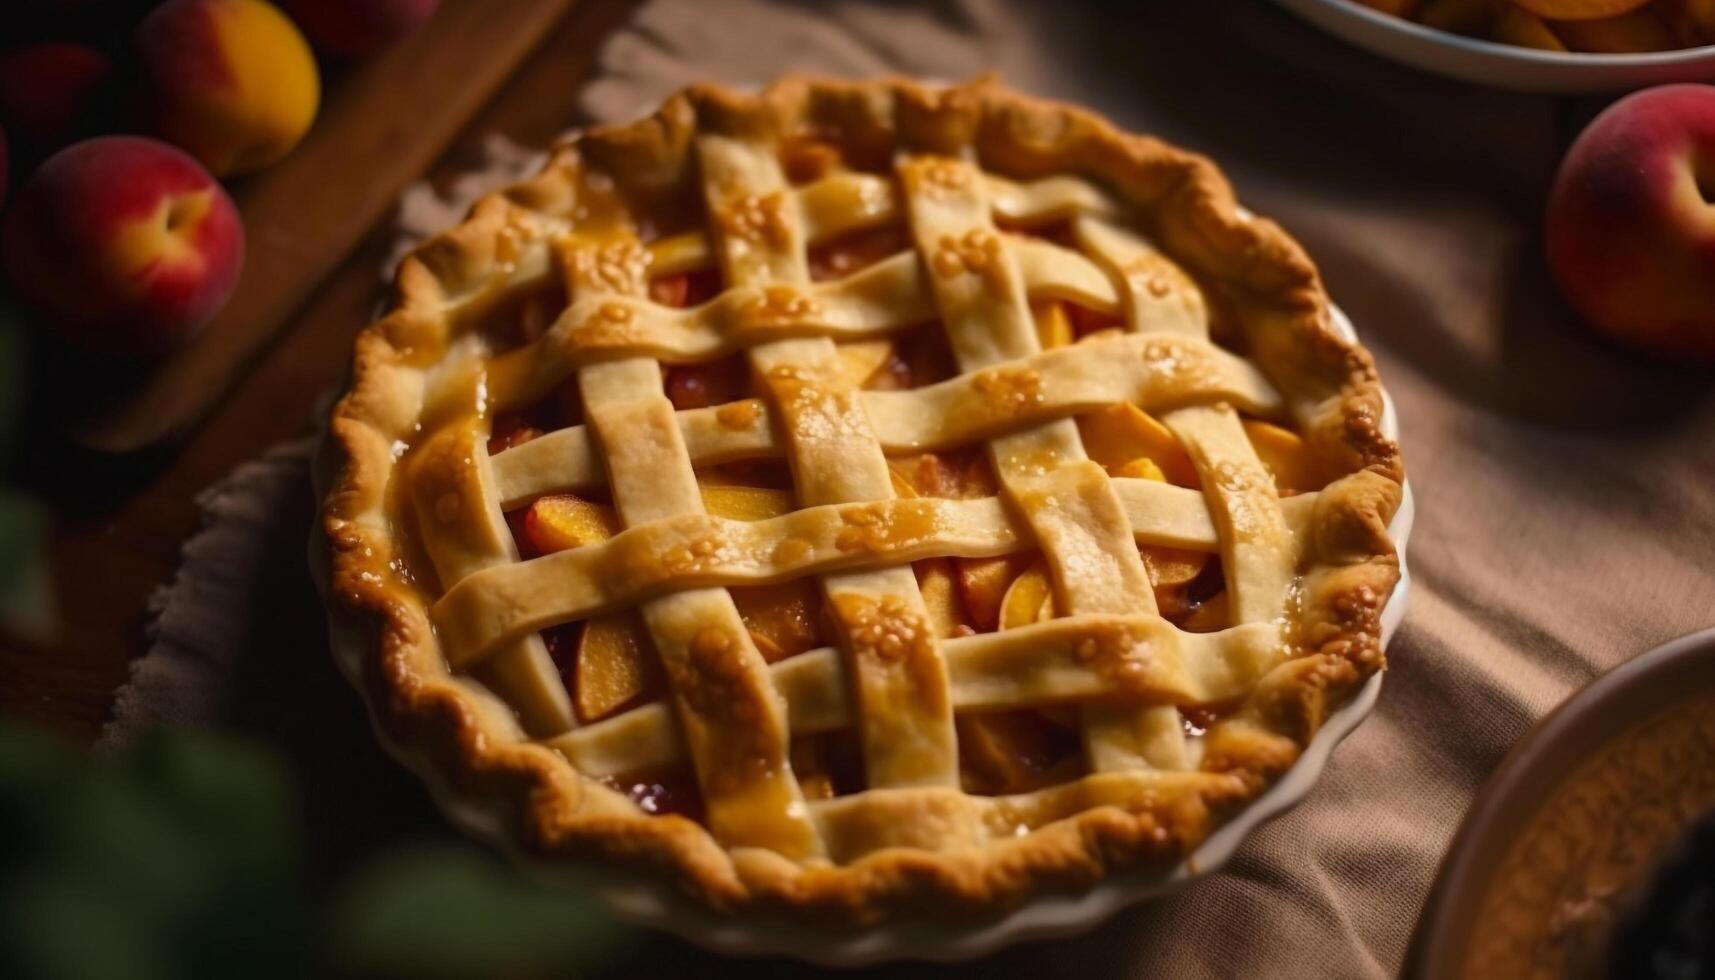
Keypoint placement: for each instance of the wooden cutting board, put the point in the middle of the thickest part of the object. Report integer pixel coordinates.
(381, 125)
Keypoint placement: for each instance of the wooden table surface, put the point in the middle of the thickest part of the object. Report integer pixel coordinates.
(118, 522)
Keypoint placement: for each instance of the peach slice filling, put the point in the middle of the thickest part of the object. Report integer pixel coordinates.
(1127, 441)
(1579, 9)
(612, 663)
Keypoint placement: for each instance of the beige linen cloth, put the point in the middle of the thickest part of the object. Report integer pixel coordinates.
(1565, 489)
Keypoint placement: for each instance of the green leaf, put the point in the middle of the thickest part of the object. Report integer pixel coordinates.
(31, 762)
(457, 912)
(25, 605)
(24, 601)
(174, 859)
(178, 860)
(108, 944)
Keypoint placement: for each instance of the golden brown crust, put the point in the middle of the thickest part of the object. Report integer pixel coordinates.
(1351, 565)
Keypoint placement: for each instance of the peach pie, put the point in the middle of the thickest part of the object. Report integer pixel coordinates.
(857, 496)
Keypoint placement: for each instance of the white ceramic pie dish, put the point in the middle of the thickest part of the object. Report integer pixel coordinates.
(1501, 65)
(654, 903)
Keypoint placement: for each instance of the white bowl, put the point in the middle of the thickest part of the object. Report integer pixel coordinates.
(645, 901)
(1501, 65)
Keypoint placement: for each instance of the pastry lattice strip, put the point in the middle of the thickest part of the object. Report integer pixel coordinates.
(896, 674)
(1259, 546)
(836, 205)
(452, 489)
(491, 607)
(732, 719)
(1074, 514)
(892, 294)
(1060, 661)
(502, 601)
(1148, 371)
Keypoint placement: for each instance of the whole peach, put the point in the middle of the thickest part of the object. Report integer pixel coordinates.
(49, 91)
(1631, 221)
(358, 28)
(230, 81)
(123, 244)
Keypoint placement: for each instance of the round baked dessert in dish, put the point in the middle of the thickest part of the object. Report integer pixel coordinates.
(862, 502)
(1564, 46)
(1590, 850)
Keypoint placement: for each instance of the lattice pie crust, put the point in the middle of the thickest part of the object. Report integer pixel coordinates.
(1149, 237)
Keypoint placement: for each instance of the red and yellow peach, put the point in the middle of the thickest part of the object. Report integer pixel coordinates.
(1631, 221)
(232, 82)
(124, 245)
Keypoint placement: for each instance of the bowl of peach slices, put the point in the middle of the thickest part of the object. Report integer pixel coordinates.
(1532, 45)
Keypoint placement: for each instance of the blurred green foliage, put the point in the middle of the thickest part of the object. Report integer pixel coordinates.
(24, 604)
(174, 859)
(483, 918)
(24, 601)
(180, 858)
